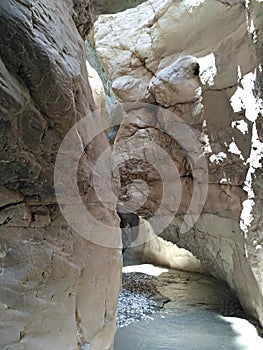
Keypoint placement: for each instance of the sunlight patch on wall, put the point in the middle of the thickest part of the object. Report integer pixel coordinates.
(148, 269)
(245, 98)
(204, 139)
(240, 125)
(208, 69)
(217, 158)
(232, 148)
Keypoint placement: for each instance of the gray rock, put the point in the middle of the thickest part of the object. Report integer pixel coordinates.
(104, 6)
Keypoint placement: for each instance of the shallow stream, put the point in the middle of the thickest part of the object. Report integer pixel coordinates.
(180, 311)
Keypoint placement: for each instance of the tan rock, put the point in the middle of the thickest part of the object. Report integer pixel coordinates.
(58, 290)
(153, 249)
(225, 37)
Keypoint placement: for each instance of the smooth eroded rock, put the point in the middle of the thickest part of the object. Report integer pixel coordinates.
(58, 289)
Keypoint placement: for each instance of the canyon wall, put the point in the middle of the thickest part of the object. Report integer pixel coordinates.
(59, 290)
(195, 155)
(105, 6)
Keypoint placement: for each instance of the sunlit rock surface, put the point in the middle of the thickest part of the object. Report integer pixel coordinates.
(151, 248)
(57, 290)
(141, 50)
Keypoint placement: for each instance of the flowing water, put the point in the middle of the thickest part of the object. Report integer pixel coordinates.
(181, 311)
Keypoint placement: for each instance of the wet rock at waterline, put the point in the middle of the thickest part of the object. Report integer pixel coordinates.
(58, 290)
(141, 54)
(173, 288)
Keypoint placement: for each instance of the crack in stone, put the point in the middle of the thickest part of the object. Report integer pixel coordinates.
(6, 206)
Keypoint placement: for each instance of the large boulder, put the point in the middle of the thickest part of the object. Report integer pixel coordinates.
(58, 289)
(200, 62)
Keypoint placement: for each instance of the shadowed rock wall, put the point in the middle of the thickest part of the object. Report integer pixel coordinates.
(58, 290)
(105, 6)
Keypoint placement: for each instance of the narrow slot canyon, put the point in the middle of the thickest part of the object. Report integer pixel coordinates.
(131, 175)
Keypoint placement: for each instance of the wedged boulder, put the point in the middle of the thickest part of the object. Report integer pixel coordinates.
(176, 83)
(58, 289)
(144, 47)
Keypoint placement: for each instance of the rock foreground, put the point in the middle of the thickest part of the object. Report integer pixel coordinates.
(58, 290)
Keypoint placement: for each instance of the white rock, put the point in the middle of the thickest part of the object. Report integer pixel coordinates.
(176, 83)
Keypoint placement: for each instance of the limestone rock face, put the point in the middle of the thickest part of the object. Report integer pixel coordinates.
(176, 83)
(151, 54)
(82, 16)
(158, 251)
(58, 290)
